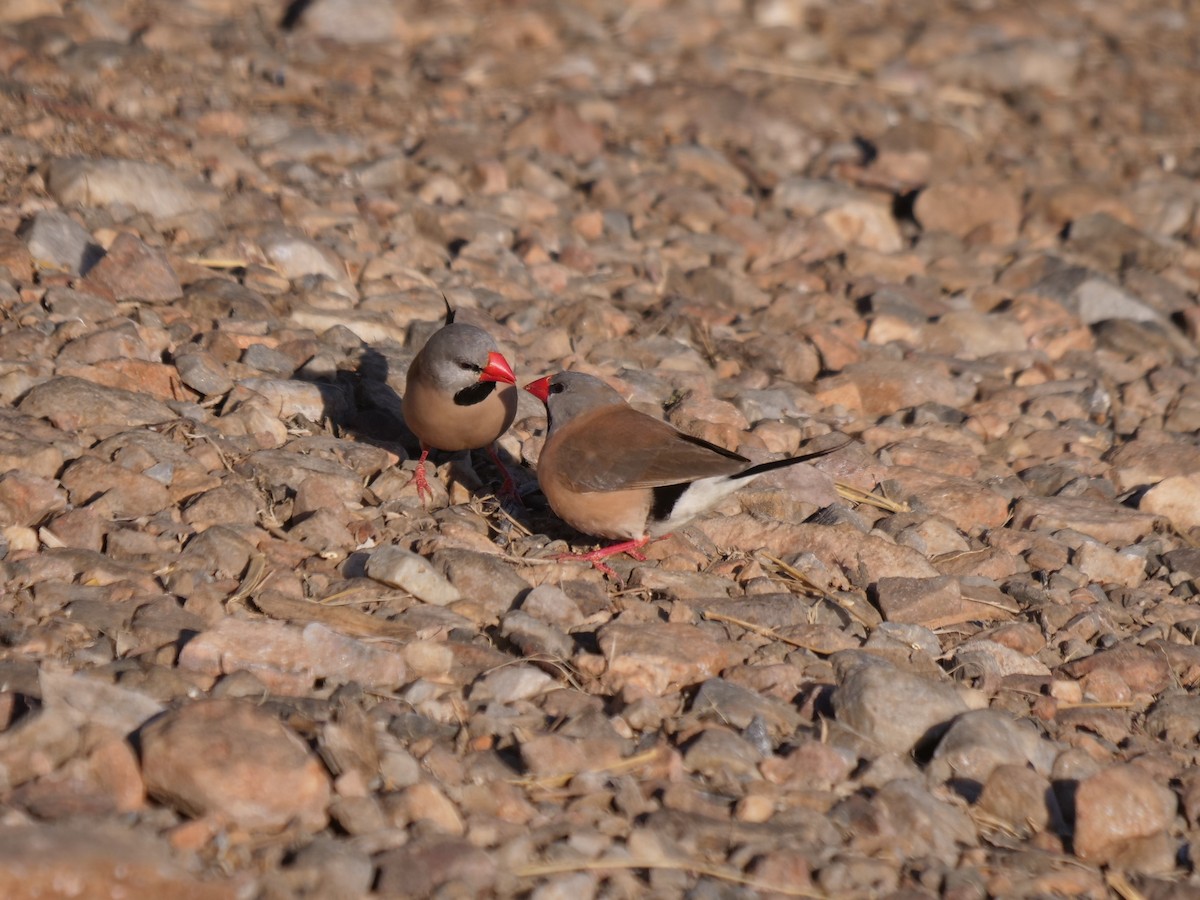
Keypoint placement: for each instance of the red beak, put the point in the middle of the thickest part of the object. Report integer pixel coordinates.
(540, 388)
(497, 369)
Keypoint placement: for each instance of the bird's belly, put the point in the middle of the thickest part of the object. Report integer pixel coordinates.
(615, 515)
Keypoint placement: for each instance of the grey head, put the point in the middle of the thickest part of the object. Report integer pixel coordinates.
(460, 356)
(568, 395)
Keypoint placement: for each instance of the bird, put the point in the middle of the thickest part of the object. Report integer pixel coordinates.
(612, 472)
(460, 394)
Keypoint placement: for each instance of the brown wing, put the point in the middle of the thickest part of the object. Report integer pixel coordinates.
(622, 449)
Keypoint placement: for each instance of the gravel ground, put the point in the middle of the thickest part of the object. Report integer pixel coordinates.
(955, 658)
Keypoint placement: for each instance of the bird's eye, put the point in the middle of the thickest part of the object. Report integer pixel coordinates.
(556, 388)
(469, 366)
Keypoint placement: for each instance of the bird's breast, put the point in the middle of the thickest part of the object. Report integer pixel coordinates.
(440, 423)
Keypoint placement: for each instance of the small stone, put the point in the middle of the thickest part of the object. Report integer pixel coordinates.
(424, 865)
(403, 569)
(73, 404)
(986, 211)
(288, 658)
(482, 577)
(144, 186)
(131, 270)
(53, 236)
(27, 499)
(980, 741)
(230, 759)
(1104, 565)
(1143, 669)
(1020, 798)
(1105, 522)
(655, 658)
(916, 823)
(296, 257)
(203, 372)
(100, 860)
(893, 708)
(334, 869)
(1176, 498)
(552, 605)
(719, 753)
(352, 21)
(738, 706)
(511, 684)
(114, 491)
(1117, 806)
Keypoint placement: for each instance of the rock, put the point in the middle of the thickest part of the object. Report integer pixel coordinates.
(534, 637)
(882, 387)
(840, 548)
(53, 236)
(1106, 566)
(203, 372)
(654, 658)
(893, 709)
(296, 257)
(481, 577)
(352, 21)
(854, 217)
(232, 760)
(407, 571)
(721, 754)
(334, 869)
(551, 604)
(915, 823)
(1177, 499)
(27, 499)
(511, 684)
(1117, 806)
(426, 864)
(288, 658)
(737, 706)
(980, 741)
(1143, 669)
(1020, 798)
(987, 211)
(1102, 521)
(112, 490)
(73, 404)
(131, 270)
(43, 861)
(144, 186)
(932, 602)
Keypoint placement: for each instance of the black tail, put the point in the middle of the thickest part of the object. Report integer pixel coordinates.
(790, 461)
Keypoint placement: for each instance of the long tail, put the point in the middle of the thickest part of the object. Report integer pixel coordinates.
(789, 461)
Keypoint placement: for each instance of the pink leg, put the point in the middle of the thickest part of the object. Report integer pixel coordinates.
(508, 490)
(424, 492)
(596, 557)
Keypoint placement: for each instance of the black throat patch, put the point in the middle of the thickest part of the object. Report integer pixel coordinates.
(476, 393)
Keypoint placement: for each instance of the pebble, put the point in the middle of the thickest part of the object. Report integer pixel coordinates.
(229, 759)
(982, 740)
(1117, 806)
(288, 658)
(131, 270)
(146, 187)
(53, 236)
(867, 696)
(40, 860)
(409, 572)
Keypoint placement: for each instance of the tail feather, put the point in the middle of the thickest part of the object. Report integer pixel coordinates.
(773, 464)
